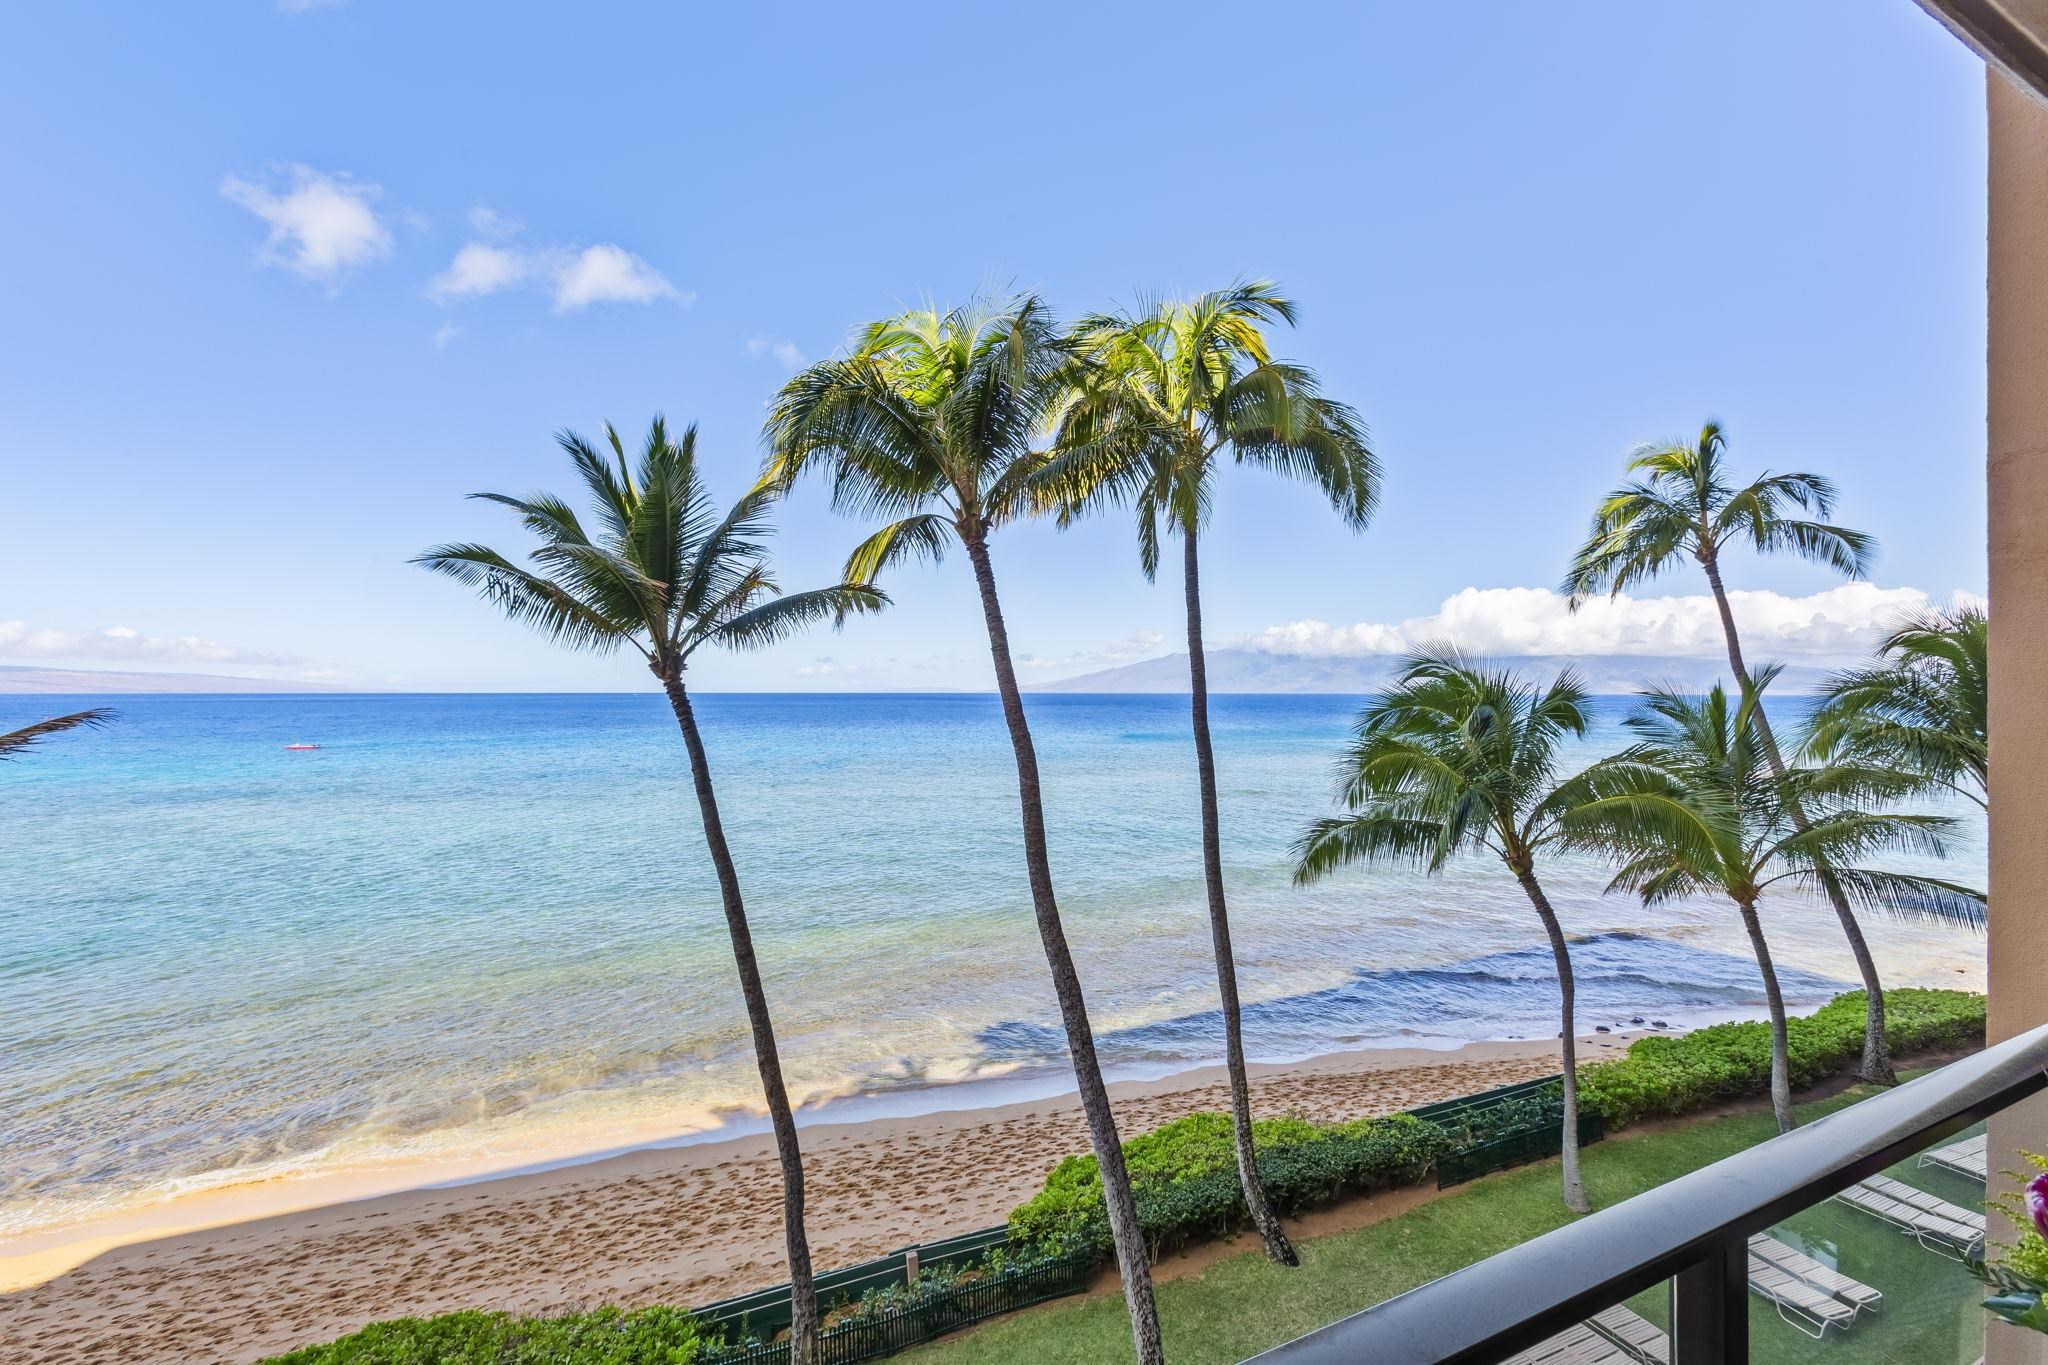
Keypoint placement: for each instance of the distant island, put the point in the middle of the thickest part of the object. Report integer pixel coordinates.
(1255, 670)
(17, 679)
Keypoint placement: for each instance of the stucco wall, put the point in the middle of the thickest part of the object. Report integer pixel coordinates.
(2018, 475)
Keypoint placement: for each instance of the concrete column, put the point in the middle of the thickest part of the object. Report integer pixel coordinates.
(2017, 413)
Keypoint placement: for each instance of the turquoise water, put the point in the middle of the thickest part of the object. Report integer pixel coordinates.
(471, 927)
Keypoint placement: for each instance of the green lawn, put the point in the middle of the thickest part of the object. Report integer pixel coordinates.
(1243, 1305)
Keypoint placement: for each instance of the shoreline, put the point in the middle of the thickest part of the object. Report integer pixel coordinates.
(36, 1256)
(684, 1222)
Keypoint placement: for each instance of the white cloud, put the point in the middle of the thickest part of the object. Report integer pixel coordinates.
(19, 640)
(444, 334)
(782, 348)
(480, 268)
(609, 274)
(826, 666)
(321, 226)
(574, 277)
(1142, 644)
(1536, 621)
(488, 222)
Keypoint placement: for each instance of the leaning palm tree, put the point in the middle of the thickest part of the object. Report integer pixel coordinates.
(1461, 757)
(929, 418)
(1682, 506)
(1923, 708)
(661, 573)
(15, 743)
(1710, 749)
(1157, 398)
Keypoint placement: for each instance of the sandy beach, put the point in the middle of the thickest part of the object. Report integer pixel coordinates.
(682, 1225)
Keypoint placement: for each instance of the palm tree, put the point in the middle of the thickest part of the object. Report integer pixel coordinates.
(1923, 708)
(1156, 400)
(929, 419)
(1710, 749)
(1681, 506)
(1462, 757)
(15, 743)
(663, 574)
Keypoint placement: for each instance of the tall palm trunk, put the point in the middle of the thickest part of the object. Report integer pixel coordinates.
(803, 1293)
(1132, 1261)
(1574, 1188)
(1877, 1061)
(1781, 1047)
(1278, 1248)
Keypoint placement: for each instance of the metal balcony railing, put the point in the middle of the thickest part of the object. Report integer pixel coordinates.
(1692, 1231)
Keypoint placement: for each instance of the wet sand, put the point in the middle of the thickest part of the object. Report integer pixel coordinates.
(681, 1225)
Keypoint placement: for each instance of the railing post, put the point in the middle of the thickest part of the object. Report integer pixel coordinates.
(1710, 1308)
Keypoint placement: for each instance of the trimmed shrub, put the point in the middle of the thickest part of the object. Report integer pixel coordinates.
(1662, 1077)
(1184, 1176)
(609, 1336)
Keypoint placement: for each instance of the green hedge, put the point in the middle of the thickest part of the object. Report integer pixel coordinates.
(1184, 1176)
(609, 1336)
(1662, 1077)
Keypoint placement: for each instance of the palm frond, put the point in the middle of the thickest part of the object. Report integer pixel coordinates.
(17, 742)
(1904, 896)
(921, 538)
(780, 618)
(1342, 840)
(529, 598)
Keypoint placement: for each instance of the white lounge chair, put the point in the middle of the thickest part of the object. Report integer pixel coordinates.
(1821, 1276)
(1579, 1345)
(1936, 1224)
(1799, 1303)
(1965, 1158)
(1644, 1340)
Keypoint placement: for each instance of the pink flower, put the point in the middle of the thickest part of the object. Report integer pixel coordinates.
(2037, 1203)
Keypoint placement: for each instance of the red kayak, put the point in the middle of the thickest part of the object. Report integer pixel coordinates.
(301, 747)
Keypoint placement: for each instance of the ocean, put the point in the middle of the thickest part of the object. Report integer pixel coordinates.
(468, 931)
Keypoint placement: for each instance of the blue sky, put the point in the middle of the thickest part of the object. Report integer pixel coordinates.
(243, 375)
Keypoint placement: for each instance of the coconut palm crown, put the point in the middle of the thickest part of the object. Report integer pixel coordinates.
(658, 571)
(1682, 505)
(1748, 845)
(1924, 708)
(1459, 757)
(1160, 393)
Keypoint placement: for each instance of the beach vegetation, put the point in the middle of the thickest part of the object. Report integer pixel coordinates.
(1680, 504)
(1751, 848)
(929, 419)
(1664, 1077)
(1156, 399)
(1460, 757)
(660, 571)
(607, 1336)
(1185, 1177)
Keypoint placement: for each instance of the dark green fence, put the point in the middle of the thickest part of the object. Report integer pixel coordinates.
(766, 1312)
(870, 1336)
(1515, 1148)
(1510, 1125)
